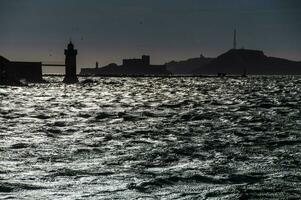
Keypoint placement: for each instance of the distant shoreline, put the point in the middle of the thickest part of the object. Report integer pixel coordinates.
(141, 76)
(170, 76)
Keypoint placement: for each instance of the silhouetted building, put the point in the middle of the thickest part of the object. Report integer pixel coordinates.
(12, 71)
(30, 71)
(70, 62)
(143, 62)
(129, 67)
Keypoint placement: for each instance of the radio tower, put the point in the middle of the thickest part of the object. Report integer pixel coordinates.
(234, 40)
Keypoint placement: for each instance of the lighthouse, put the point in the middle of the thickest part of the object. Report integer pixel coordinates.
(70, 62)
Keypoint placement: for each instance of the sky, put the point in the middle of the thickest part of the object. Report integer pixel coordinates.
(109, 30)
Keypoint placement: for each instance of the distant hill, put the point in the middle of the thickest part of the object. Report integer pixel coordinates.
(187, 66)
(236, 61)
(233, 62)
(3, 60)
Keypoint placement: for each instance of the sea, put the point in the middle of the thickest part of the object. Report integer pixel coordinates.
(152, 138)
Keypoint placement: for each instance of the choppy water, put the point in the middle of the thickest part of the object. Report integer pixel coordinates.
(152, 138)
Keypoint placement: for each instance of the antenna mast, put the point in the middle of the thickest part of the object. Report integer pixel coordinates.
(234, 40)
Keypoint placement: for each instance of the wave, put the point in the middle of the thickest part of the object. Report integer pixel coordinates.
(6, 187)
(167, 181)
(77, 173)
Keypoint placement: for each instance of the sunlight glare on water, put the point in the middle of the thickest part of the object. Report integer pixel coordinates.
(152, 138)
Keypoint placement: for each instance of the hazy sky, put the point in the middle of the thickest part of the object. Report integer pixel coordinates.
(109, 30)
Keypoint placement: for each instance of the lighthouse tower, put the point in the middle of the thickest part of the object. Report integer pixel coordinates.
(70, 62)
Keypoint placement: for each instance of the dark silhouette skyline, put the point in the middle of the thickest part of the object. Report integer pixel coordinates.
(130, 67)
(238, 62)
(107, 31)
